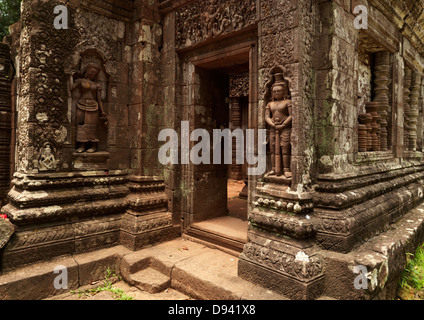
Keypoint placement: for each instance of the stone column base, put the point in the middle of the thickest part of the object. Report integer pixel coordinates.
(285, 265)
(59, 214)
(136, 242)
(147, 219)
(281, 254)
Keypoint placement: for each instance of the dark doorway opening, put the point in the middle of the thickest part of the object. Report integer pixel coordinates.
(219, 198)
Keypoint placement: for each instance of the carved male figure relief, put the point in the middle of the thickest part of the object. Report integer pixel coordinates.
(89, 110)
(278, 116)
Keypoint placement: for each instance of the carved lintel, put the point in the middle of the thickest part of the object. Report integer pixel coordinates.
(203, 20)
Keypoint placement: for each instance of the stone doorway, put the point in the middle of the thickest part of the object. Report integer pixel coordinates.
(218, 199)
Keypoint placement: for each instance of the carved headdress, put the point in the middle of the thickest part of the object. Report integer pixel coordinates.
(281, 81)
(90, 66)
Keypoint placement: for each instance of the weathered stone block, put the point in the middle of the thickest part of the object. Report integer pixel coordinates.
(6, 231)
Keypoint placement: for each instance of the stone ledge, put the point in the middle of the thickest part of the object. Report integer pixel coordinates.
(36, 281)
(384, 256)
(344, 230)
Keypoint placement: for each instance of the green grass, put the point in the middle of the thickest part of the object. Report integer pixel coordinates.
(411, 285)
(118, 294)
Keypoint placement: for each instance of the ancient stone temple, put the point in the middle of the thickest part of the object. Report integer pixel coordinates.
(337, 86)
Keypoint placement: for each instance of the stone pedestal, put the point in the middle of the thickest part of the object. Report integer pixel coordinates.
(147, 219)
(90, 161)
(281, 254)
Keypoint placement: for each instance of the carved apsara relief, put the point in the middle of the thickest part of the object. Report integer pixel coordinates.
(89, 108)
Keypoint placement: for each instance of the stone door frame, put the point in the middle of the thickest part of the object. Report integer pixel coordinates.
(246, 48)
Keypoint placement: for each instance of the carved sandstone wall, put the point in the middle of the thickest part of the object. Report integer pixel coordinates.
(78, 202)
(5, 120)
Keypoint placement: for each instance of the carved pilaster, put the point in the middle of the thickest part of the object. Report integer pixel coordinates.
(5, 120)
(414, 111)
(147, 219)
(381, 92)
(406, 107)
(236, 169)
(281, 242)
(239, 87)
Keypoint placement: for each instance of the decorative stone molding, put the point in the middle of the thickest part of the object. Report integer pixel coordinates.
(42, 244)
(282, 205)
(60, 213)
(295, 264)
(295, 227)
(349, 211)
(43, 113)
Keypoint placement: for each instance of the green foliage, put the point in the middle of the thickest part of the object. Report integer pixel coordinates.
(10, 12)
(118, 294)
(412, 281)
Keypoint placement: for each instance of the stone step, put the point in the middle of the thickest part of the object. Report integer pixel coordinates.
(227, 233)
(150, 280)
(213, 275)
(194, 270)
